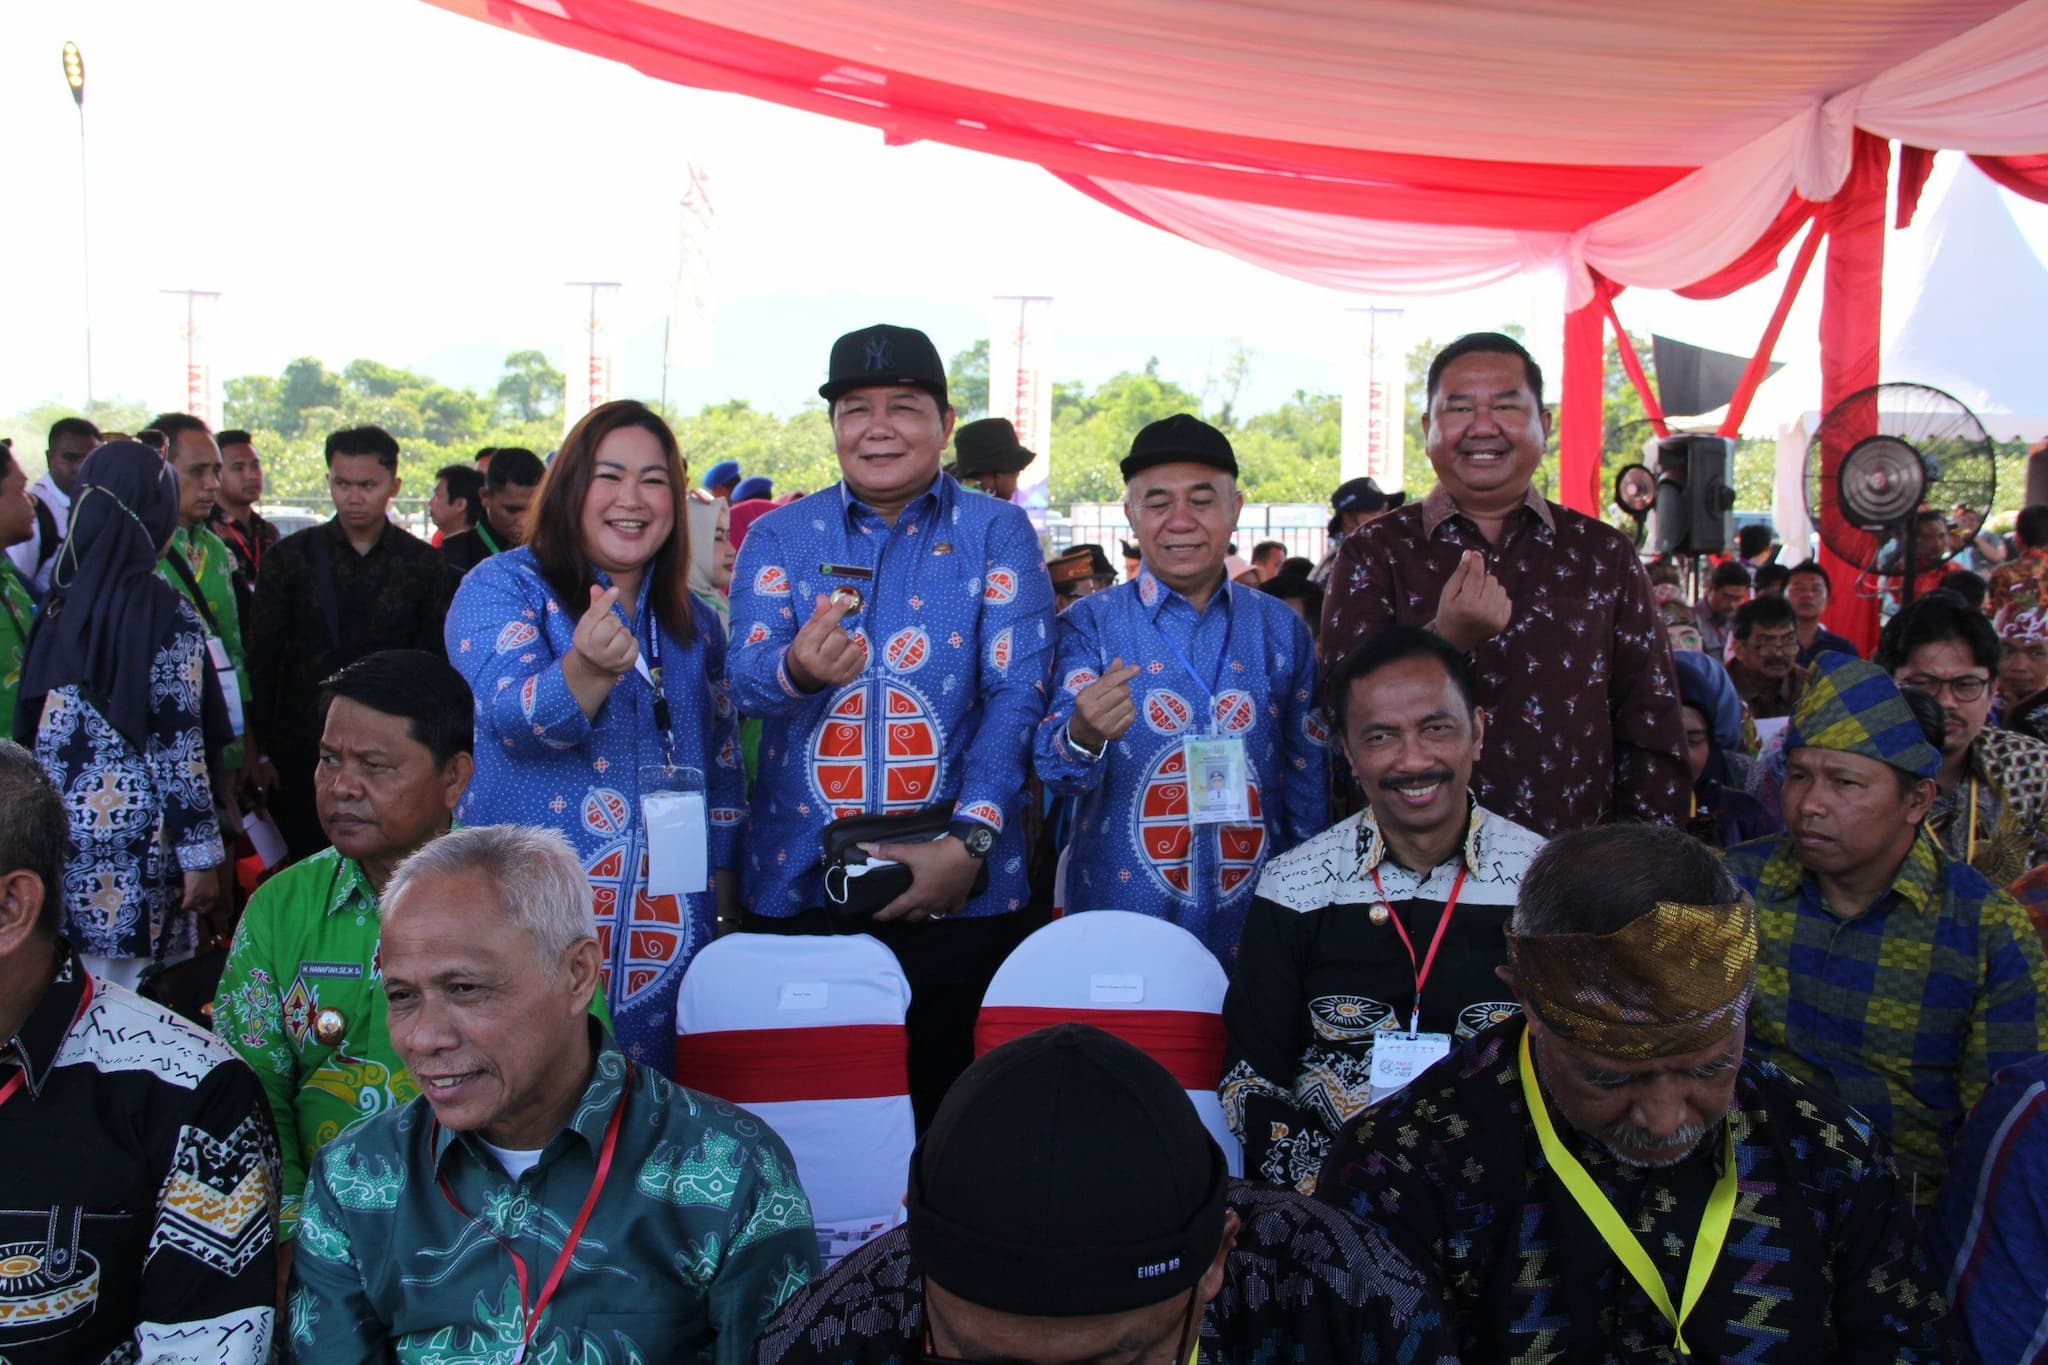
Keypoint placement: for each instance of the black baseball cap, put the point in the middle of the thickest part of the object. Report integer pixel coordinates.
(885, 355)
(1180, 439)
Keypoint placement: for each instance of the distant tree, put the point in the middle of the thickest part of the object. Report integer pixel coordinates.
(306, 384)
(967, 382)
(531, 389)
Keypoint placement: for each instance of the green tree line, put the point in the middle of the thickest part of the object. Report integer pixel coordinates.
(1286, 454)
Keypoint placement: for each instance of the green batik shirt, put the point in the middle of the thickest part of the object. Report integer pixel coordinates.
(17, 611)
(698, 1234)
(213, 567)
(306, 944)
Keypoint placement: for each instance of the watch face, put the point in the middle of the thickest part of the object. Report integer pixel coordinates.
(980, 842)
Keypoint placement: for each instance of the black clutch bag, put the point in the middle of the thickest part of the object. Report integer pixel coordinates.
(856, 885)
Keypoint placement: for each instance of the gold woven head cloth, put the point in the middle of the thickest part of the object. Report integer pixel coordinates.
(1673, 981)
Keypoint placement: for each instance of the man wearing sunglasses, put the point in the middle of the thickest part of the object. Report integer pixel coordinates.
(1067, 1207)
(1991, 803)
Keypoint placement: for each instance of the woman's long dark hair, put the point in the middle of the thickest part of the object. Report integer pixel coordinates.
(557, 535)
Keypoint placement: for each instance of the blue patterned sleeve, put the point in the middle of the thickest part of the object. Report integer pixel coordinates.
(1304, 746)
(725, 779)
(765, 619)
(497, 638)
(1078, 662)
(1016, 664)
(177, 751)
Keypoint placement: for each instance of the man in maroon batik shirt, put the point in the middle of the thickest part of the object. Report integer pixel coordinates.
(1572, 663)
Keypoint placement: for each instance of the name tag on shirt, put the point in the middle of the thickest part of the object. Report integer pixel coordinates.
(1398, 1058)
(672, 810)
(230, 681)
(1218, 780)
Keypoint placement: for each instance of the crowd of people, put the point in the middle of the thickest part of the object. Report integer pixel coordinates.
(348, 881)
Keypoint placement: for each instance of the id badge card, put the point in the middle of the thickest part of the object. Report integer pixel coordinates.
(230, 681)
(1218, 780)
(678, 838)
(1398, 1058)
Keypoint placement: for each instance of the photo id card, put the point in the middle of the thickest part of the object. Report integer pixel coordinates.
(1398, 1058)
(678, 831)
(230, 681)
(1218, 780)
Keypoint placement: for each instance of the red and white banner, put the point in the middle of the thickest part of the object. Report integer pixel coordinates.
(192, 313)
(691, 310)
(1375, 398)
(1020, 387)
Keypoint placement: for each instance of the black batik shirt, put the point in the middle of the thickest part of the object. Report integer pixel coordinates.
(138, 1186)
(1304, 1283)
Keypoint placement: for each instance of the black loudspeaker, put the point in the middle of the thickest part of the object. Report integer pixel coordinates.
(1695, 494)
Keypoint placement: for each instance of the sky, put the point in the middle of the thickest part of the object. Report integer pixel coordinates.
(381, 178)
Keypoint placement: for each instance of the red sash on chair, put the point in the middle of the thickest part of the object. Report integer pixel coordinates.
(785, 1065)
(1188, 1043)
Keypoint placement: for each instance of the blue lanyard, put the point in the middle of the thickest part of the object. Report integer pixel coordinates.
(1222, 656)
(662, 719)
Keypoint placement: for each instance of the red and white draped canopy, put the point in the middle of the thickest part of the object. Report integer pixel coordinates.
(1420, 146)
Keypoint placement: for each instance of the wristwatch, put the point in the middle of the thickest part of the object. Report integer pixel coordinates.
(978, 838)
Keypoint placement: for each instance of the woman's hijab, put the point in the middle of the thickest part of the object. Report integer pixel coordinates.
(704, 518)
(107, 613)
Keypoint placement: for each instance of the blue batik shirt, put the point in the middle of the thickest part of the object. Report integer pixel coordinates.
(1254, 677)
(956, 617)
(541, 761)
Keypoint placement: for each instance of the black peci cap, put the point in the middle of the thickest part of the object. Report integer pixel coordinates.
(882, 355)
(1066, 1174)
(1179, 439)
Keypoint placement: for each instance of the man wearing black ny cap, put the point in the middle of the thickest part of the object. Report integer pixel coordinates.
(894, 634)
(1067, 1206)
(1183, 716)
(1355, 503)
(987, 455)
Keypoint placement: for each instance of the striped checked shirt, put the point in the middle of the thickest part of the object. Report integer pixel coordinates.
(1989, 1233)
(1905, 1011)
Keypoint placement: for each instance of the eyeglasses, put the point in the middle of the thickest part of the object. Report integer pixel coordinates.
(1963, 687)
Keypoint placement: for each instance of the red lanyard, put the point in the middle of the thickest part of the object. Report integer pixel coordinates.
(1421, 972)
(532, 1313)
(20, 1078)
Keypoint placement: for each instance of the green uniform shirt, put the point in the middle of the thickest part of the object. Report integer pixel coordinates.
(17, 611)
(213, 567)
(698, 1233)
(308, 943)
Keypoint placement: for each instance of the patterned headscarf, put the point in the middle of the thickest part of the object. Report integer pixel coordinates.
(1853, 707)
(2022, 625)
(1669, 982)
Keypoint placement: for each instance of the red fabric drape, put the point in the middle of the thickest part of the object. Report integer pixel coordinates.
(1850, 312)
(1603, 295)
(1760, 363)
(1760, 260)
(1530, 196)
(783, 1065)
(1580, 419)
(1915, 165)
(2026, 176)
(1187, 1043)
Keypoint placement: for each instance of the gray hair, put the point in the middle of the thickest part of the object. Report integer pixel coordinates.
(540, 882)
(1600, 880)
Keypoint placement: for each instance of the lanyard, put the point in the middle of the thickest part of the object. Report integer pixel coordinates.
(20, 1078)
(483, 529)
(250, 545)
(531, 1314)
(662, 718)
(1222, 655)
(1608, 1223)
(1970, 855)
(1421, 972)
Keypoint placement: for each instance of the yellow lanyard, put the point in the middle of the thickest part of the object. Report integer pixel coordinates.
(1608, 1223)
(1970, 854)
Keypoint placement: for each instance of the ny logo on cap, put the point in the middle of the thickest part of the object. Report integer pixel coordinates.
(880, 354)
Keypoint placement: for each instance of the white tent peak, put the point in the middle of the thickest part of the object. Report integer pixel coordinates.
(1973, 309)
